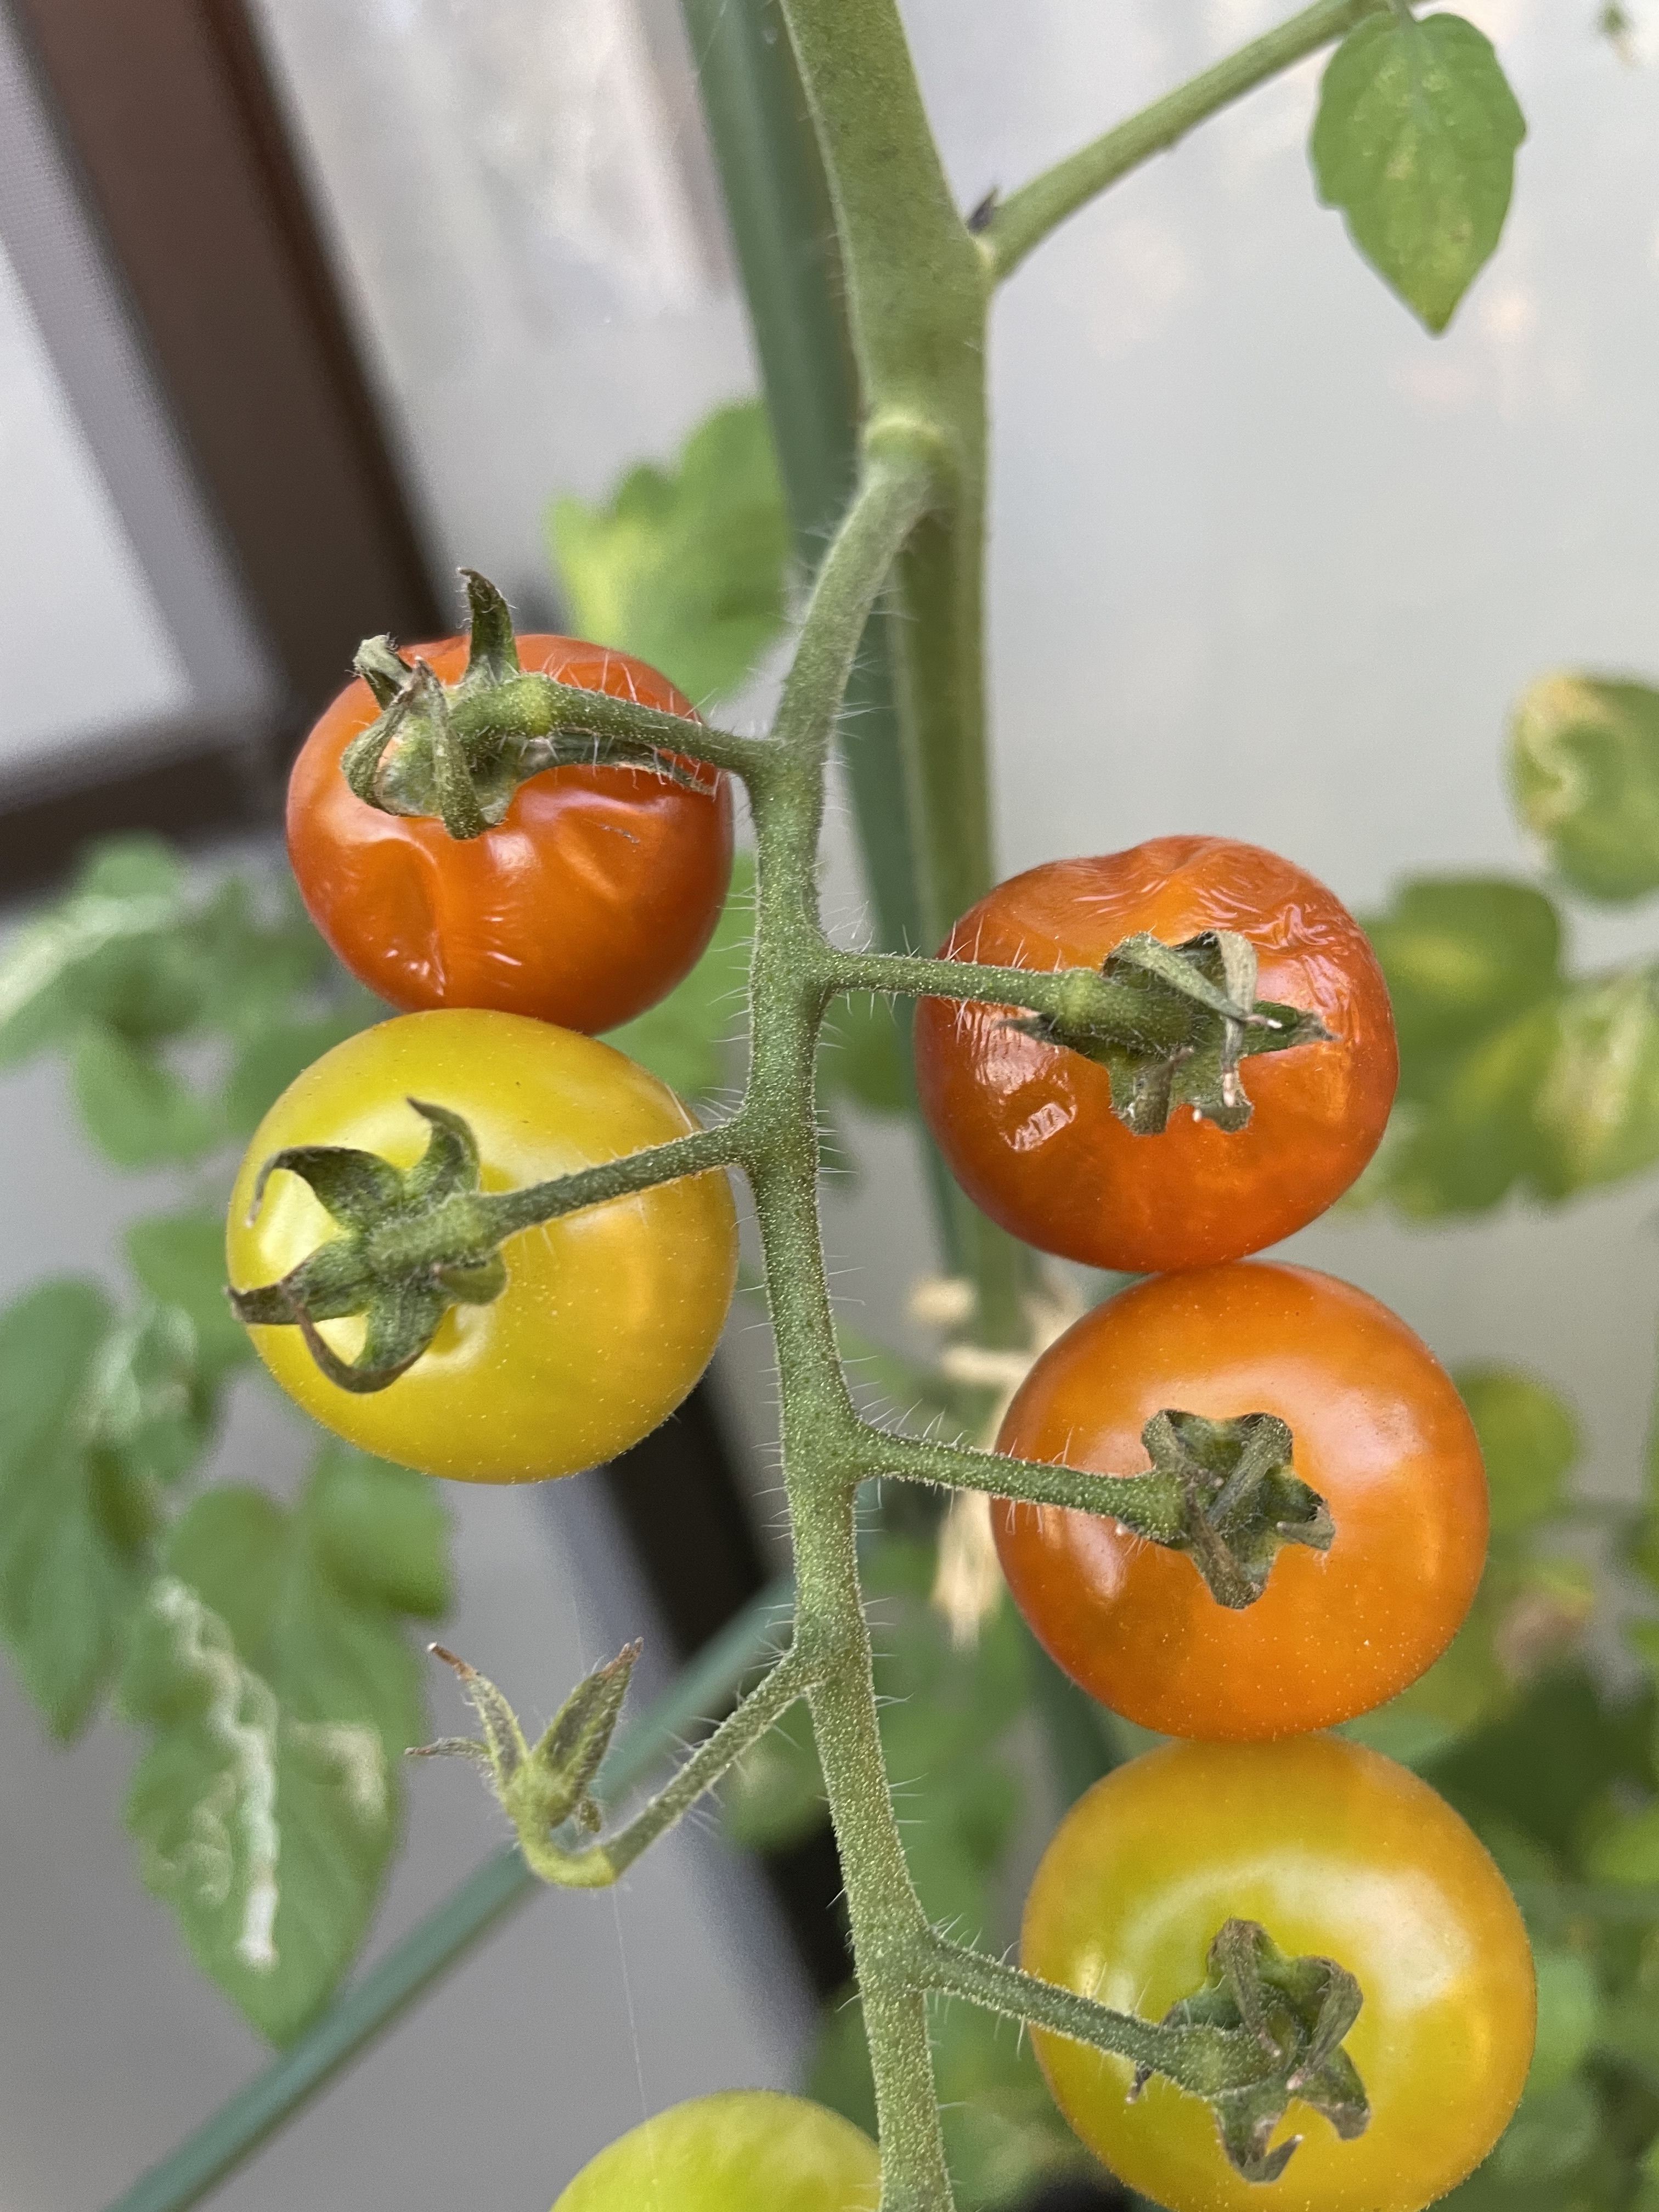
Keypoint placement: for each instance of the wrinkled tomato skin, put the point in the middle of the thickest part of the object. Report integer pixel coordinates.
(590, 900)
(1338, 1854)
(609, 1316)
(1028, 1127)
(740, 2150)
(1378, 1431)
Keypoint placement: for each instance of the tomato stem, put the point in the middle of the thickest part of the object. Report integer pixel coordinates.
(1021, 223)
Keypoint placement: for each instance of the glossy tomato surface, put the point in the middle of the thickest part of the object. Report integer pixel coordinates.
(1338, 1854)
(1379, 1432)
(609, 1316)
(590, 900)
(743, 2150)
(1028, 1127)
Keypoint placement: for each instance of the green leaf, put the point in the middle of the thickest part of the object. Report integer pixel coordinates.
(1597, 1108)
(685, 1040)
(1584, 767)
(1478, 1135)
(179, 1258)
(1529, 1440)
(280, 1693)
(70, 1529)
(135, 867)
(105, 953)
(687, 568)
(136, 1109)
(1545, 1764)
(775, 1795)
(1415, 140)
(1569, 2016)
(863, 1053)
(1462, 956)
(1549, 2135)
(384, 1532)
(1628, 1851)
(267, 1061)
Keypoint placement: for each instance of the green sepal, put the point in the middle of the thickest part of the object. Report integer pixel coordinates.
(492, 649)
(414, 1241)
(1299, 2010)
(415, 758)
(383, 668)
(1243, 1499)
(540, 1789)
(1201, 1019)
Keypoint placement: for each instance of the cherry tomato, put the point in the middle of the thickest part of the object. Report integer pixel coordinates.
(1338, 1854)
(609, 1316)
(1028, 1127)
(587, 904)
(1378, 1431)
(743, 2150)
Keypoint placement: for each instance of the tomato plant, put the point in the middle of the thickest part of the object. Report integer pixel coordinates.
(584, 905)
(743, 2150)
(492, 1248)
(607, 1318)
(1337, 1853)
(1380, 1433)
(1028, 1125)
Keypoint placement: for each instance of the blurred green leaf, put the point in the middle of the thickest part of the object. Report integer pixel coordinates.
(1478, 1137)
(863, 1054)
(1598, 1103)
(1584, 767)
(1569, 2016)
(137, 1108)
(72, 1528)
(773, 1796)
(1549, 2136)
(179, 1258)
(685, 1040)
(268, 1061)
(1544, 1765)
(85, 957)
(383, 1532)
(686, 567)
(1415, 140)
(1463, 956)
(280, 1693)
(1626, 1851)
(1529, 1440)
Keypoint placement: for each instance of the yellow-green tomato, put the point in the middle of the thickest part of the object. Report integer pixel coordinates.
(1338, 1854)
(743, 2150)
(609, 1316)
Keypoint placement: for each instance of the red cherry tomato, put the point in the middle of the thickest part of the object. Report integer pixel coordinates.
(1028, 1127)
(1378, 1431)
(590, 900)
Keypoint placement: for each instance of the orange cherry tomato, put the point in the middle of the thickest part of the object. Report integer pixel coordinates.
(1378, 1431)
(1028, 1127)
(1338, 1854)
(587, 904)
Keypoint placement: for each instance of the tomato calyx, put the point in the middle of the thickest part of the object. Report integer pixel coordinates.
(1296, 2011)
(459, 751)
(543, 1786)
(1241, 1497)
(414, 1241)
(1195, 1017)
